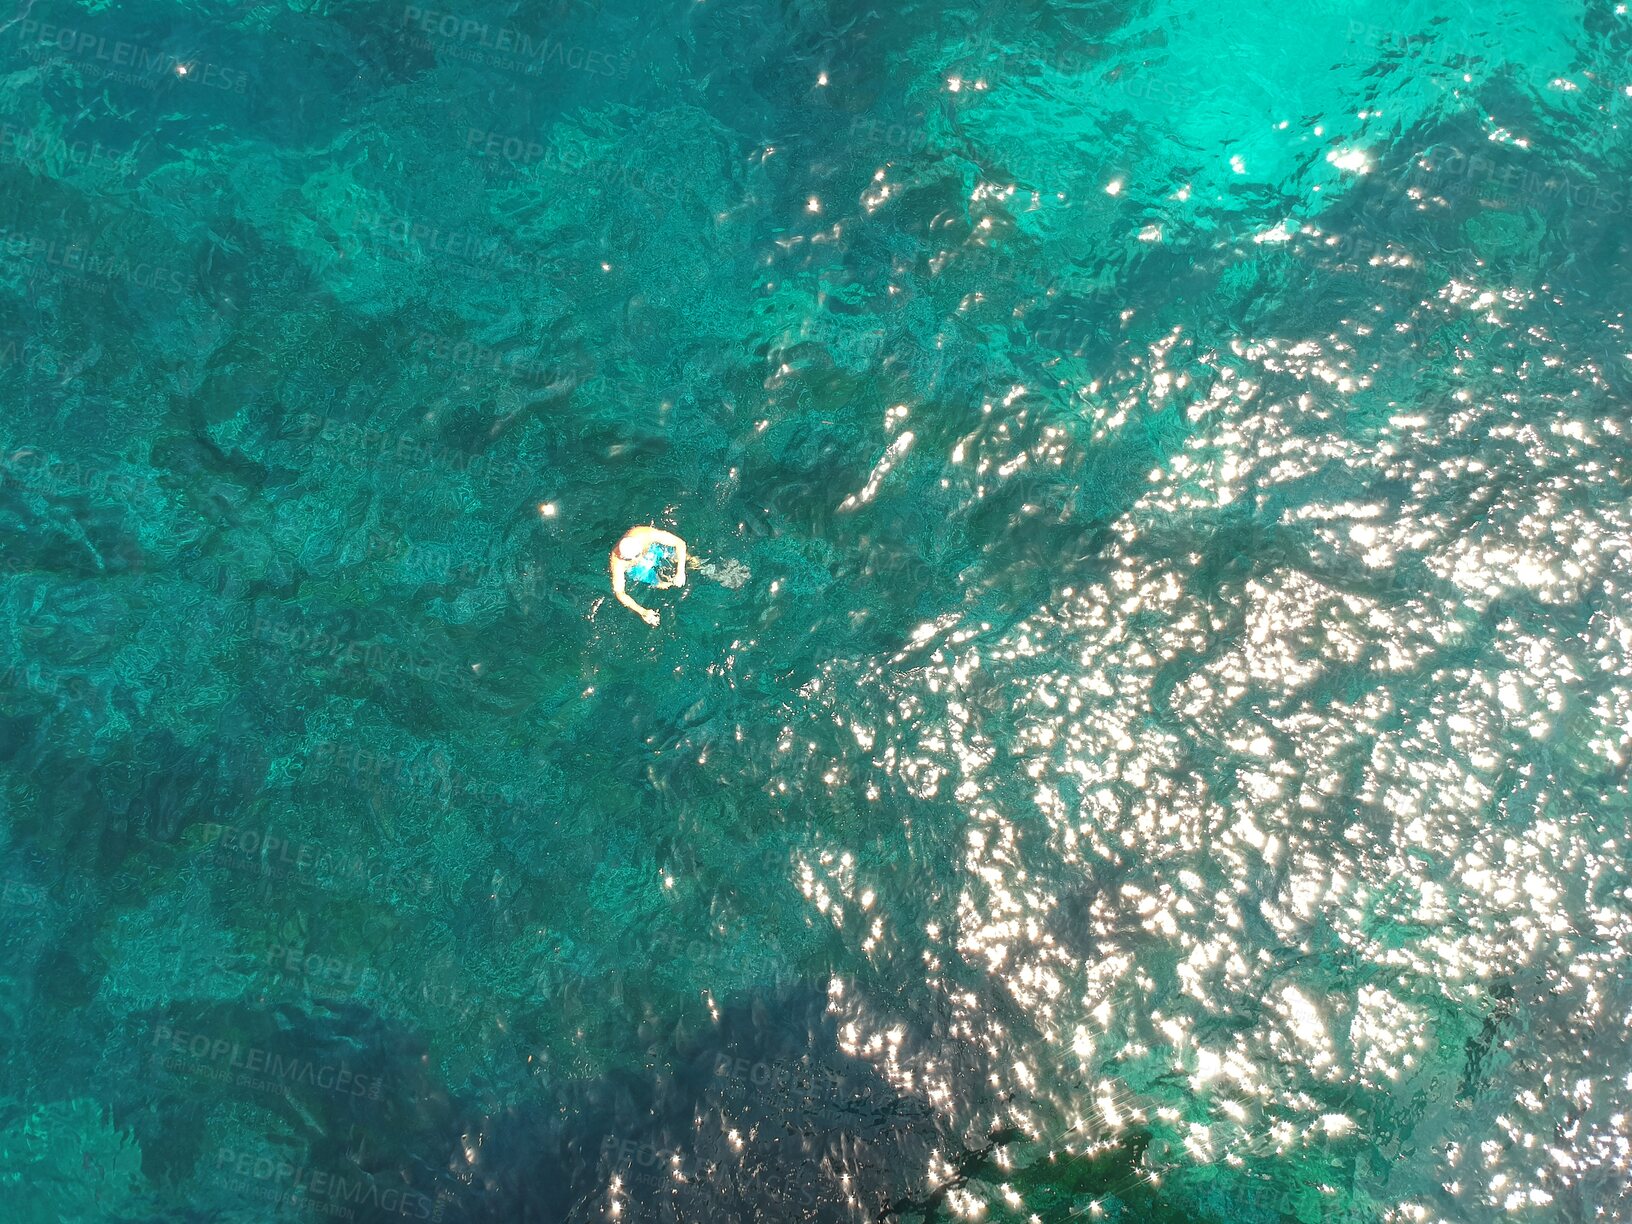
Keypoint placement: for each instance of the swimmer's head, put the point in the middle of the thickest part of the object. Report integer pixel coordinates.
(629, 549)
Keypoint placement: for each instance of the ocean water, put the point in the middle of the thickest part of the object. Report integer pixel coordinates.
(1148, 743)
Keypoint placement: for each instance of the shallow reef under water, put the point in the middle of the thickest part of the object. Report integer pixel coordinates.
(1148, 737)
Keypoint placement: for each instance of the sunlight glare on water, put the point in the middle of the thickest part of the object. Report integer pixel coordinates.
(1147, 735)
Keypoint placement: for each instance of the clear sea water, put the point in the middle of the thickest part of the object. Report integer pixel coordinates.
(1148, 743)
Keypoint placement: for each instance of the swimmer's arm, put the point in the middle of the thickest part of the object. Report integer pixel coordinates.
(623, 597)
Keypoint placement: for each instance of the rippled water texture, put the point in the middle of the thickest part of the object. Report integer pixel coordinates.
(1148, 741)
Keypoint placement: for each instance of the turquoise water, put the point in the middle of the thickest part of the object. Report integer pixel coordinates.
(1149, 739)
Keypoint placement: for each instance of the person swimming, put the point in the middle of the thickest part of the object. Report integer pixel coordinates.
(651, 556)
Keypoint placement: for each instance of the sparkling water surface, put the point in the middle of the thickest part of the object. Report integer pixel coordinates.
(1148, 741)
